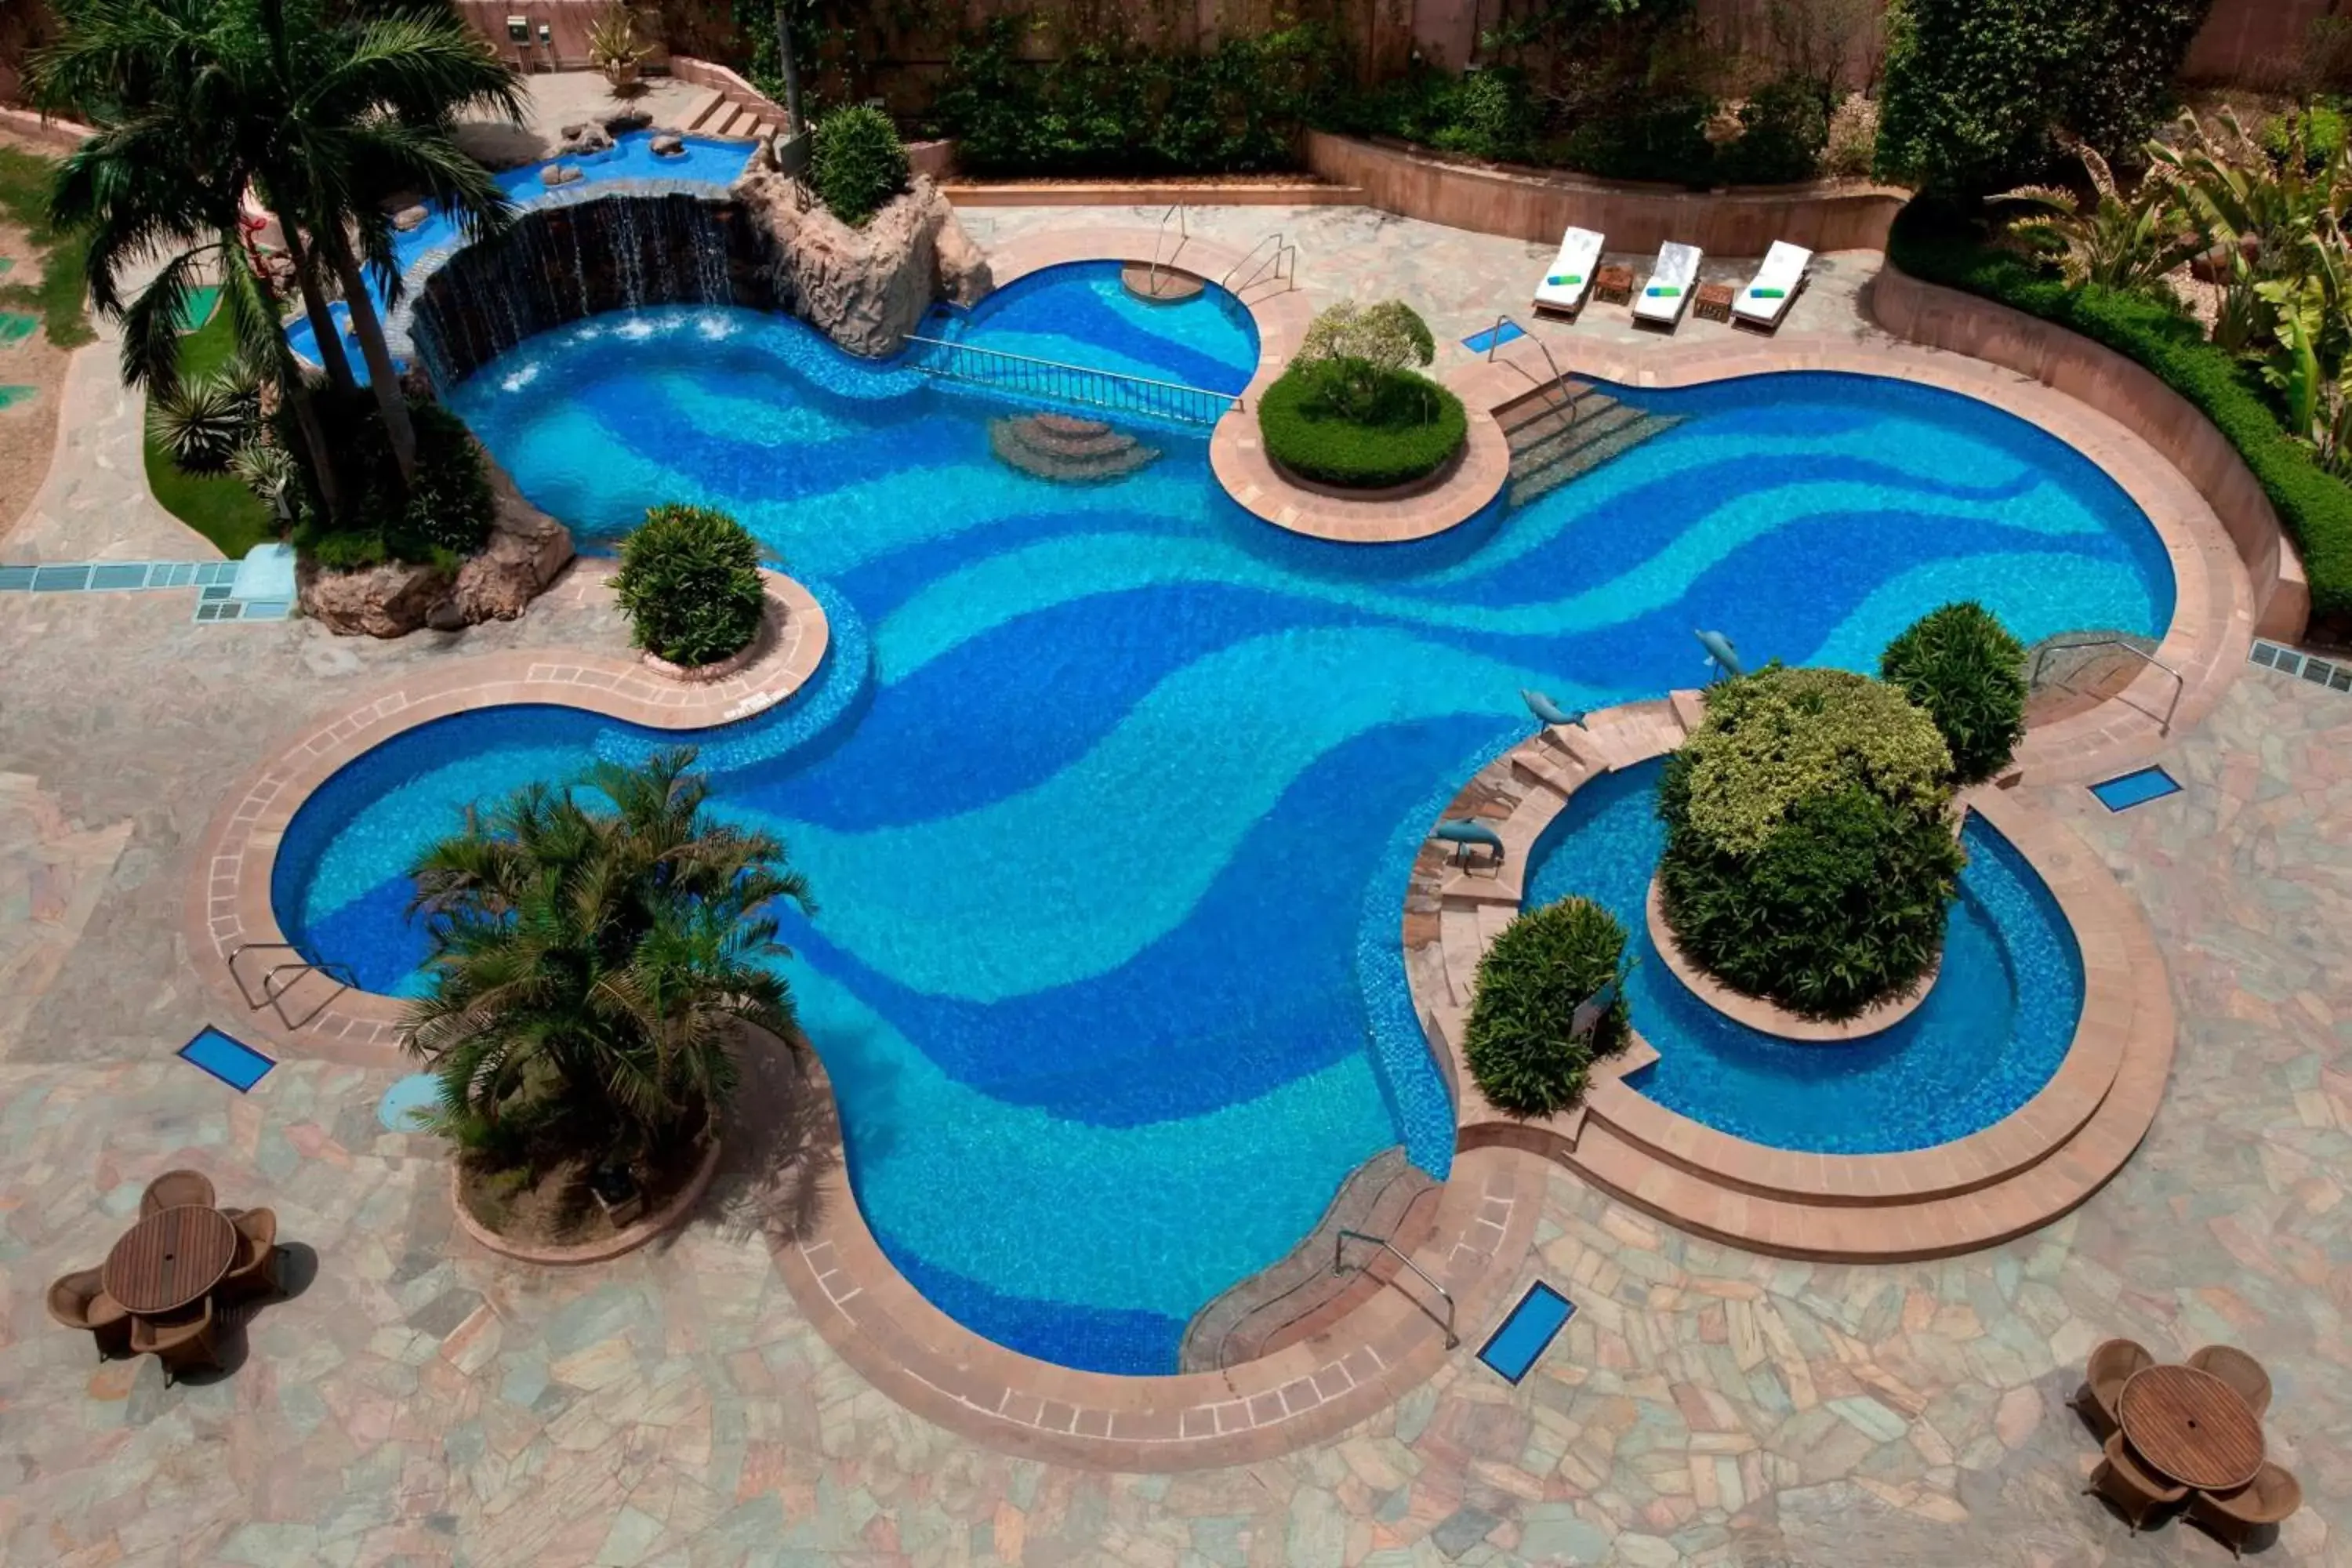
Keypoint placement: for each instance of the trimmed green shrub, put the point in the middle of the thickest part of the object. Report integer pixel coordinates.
(1934, 244)
(856, 162)
(1962, 666)
(689, 580)
(1808, 859)
(1520, 1042)
(1412, 428)
(1783, 130)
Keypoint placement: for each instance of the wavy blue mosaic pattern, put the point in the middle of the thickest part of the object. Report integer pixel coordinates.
(1109, 794)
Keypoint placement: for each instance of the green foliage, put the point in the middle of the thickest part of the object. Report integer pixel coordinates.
(2312, 134)
(2120, 240)
(61, 293)
(203, 420)
(1490, 116)
(1412, 427)
(1963, 667)
(689, 580)
(1109, 105)
(1783, 130)
(220, 508)
(439, 517)
(1480, 114)
(1844, 906)
(1807, 857)
(1663, 139)
(856, 162)
(1781, 737)
(1929, 243)
(1520, 1041)
(591, 964)
(1974, 88)
(1364, 345)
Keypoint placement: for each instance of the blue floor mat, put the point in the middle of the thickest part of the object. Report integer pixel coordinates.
(2136, 788)
(233, 1062)
(1527, 1333)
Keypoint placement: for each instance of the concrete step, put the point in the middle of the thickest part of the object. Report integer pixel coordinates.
(1067, 451)
(700, 110)
(1543, 406)
(1583, 458)
(1594, 419)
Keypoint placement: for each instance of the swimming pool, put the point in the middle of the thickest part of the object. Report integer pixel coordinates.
(1109, 793)
(1992, 1031)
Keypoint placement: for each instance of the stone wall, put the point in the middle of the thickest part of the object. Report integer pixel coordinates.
(2134, 398)
(1537, 205)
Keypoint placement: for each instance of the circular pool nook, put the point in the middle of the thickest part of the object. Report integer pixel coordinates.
(1109, 793)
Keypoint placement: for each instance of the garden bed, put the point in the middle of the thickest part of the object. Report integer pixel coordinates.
(1415, 428)
(556, 1219)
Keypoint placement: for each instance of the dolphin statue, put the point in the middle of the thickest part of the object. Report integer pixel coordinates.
(1595, 1008)
(1545, 711)
(1463, 832)
(1719, 652)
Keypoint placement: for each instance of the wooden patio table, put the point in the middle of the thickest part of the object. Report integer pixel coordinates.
(2192, 1427)
(170, 1260)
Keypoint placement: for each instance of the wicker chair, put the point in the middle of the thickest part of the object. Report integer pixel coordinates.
(2139, 1494)
(2233, 1517)
(2112, 1365)
(176, 1189)
(2241, 1372)
(79, 1302)
(254, 1272)
(180, 1343)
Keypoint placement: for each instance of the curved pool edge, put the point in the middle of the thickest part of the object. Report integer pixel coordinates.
(2213, 625)
(231, 910)
(2012, 1177)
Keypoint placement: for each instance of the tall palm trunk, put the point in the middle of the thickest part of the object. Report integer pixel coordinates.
(314, 436)
(382, 379)
(338, 363)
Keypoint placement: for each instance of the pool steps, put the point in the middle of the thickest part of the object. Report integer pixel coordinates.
(2002, 1182)
(713, 113)
(1552, 443)
(1066, 449)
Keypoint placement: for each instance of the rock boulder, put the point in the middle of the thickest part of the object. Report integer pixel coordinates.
(409, 217)
(526, 551)
(668, 145)
(622, 121)
(865, 287)
(584, 138)
(558, 174)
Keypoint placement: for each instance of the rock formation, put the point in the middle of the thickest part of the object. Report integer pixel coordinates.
(668, 145)
(865, 287)
(582, 138)
(556, 174)
(526, 551)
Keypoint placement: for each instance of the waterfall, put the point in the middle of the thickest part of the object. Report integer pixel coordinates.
(621, 251)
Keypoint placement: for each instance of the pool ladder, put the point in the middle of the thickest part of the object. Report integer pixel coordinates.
(1271, 263)
(274, 990)
(1555, 391)
(2110, 639)
(1159, 236)
(1339, 1264)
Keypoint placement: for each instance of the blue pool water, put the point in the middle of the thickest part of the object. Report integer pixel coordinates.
(1082, 314)
(1992, 1030)
(705, 159)
(1108, 793)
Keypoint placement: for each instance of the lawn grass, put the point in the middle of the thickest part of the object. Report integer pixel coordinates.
(216, 505)
(59, 296)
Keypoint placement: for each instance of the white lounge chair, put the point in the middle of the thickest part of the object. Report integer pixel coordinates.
(1774, 287)
(1569, 282)
(1672, 281)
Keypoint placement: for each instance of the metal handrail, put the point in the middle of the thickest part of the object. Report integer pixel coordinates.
(1159, 233)
(1382, 1242)
(2179, 684)
(274, 993)
(1558, 384)
(1281, 245)
(1072, 383)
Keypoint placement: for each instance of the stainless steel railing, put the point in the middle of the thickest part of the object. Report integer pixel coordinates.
(1337, 1240)
(1056, 382)
(2061, 644)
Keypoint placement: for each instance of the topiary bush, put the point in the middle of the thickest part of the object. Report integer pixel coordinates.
(1962, 666)
(858, 162)
(1520, 1042)
(689, 580)
(1809, 857)
(1409, 426)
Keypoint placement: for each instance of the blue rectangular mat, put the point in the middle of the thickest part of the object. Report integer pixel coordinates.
(1493, 338)
(233, 1062)
(1527, 1333)
(2138, 788)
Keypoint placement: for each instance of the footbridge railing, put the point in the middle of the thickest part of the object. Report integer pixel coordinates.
(1054, 381)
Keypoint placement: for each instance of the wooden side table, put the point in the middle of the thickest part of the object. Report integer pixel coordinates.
(1613, 285)
(170, 1260)
(2192, 1427)
(1713, 301)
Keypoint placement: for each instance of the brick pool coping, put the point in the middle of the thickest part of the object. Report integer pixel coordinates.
(229, 908)
(2002, 1181)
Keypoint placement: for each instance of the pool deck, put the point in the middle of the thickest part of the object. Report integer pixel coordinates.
(418, 1401)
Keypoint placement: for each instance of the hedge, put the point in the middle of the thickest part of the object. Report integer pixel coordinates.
(2314, 506)
(1520, 1041)
(1415, 431)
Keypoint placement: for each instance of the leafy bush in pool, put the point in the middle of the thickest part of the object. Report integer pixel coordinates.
(1961, 665)
(689, 580)
(1522, 1043)
(858, 162)
(1810, 859)
(1349, 412)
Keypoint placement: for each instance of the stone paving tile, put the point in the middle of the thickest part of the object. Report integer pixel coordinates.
(417, 1402)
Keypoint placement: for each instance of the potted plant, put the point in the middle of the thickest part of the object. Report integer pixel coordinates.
(613, 48)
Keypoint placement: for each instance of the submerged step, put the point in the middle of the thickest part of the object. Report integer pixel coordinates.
(1584, 459)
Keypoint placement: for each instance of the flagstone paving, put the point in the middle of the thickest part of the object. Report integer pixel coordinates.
(416, 1401)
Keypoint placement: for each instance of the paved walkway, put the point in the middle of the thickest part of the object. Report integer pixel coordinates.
(417, 1402)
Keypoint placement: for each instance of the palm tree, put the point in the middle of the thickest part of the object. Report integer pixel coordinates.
(2120, 241)
(590, 968)
(320, 120)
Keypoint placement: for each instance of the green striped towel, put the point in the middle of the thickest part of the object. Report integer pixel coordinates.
(1564, 280)
(1662, 290)
(1767, 293)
